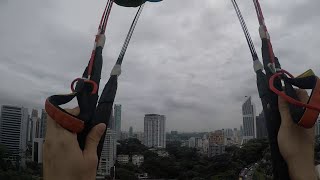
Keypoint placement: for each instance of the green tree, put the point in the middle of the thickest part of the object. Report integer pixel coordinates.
(124, 174)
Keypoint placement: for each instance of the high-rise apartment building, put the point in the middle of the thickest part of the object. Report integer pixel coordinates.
(154, 131)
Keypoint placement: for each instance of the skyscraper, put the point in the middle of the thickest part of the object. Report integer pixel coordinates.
(249, 120)
(117, 117)
(108, 153)
(154, 131)
(31, 128)
(43, 124)
(13, 131)
(261, 126)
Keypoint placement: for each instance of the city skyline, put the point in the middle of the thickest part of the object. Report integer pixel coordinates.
(192, 83)
(137, 126)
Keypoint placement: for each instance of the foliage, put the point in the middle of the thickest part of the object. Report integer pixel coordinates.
(125, 174)
(130, 146)
(186, 164)
(9, 171)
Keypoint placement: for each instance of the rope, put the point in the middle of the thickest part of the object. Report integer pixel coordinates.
(129, 35)
(101, 30)
(245, 31)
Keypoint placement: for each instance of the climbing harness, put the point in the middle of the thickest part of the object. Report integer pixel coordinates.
(92, 109)
(270, 87)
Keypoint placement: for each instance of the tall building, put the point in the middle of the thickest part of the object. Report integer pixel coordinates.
(13, 131)
(43, 124)
(249, 119)
(154, 131)
(130, 132)
(112, 124)
(108, 153)
(261, 126)
(109, 150)
(117, 117)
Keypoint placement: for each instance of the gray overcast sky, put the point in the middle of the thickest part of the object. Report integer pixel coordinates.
(188, 59)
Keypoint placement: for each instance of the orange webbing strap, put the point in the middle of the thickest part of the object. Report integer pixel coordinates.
(312, 108)
(310, 116)
(62, 117)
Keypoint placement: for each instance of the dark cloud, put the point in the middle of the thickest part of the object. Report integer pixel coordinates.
(186, 60)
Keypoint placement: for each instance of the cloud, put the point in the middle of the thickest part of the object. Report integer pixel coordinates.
(189, 60)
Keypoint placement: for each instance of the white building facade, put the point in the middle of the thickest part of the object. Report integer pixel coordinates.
(154, 131)
(108, 153)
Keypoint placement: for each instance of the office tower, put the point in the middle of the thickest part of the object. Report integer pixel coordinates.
(117, 116)
(154, 131)
(261, 126)
(43, 124)
(13, 131)
(249, 119)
